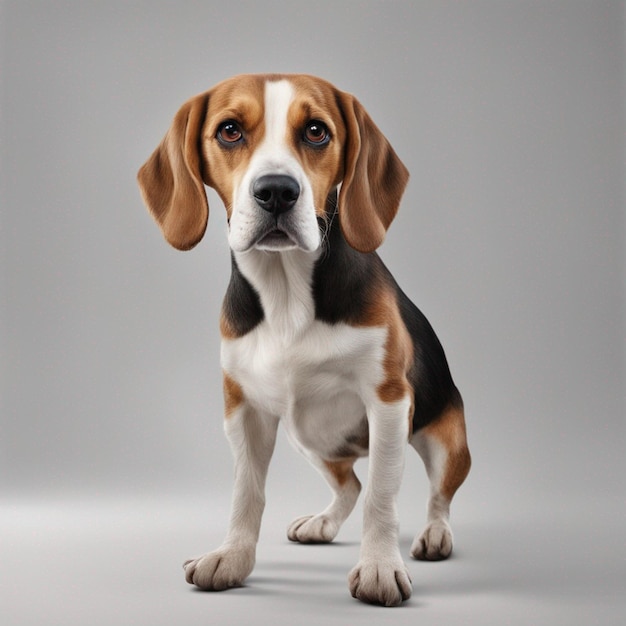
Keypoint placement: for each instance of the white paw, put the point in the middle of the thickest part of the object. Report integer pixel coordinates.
(380, 582)
(434, 544)
(313, 529)
(225, 568)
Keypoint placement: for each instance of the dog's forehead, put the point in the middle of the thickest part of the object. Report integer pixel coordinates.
(244, 86)
(243, 96)
(315, 90)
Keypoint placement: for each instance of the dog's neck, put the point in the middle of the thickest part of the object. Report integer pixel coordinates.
(282, 281)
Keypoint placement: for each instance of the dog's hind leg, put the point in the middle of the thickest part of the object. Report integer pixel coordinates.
(443, 448)
(323, 528)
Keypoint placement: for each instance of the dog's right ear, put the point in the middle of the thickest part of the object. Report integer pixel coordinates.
(171, 181)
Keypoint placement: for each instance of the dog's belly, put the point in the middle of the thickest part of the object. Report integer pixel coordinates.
(318, 383)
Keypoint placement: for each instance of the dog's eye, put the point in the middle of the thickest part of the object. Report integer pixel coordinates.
(229, 133)
(316, 133)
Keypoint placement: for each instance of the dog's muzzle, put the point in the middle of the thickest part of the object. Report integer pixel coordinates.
(277, 195)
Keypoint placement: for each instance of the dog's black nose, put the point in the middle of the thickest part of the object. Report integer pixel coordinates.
(276, 193)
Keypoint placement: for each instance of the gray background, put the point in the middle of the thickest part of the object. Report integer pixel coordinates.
(511, 238)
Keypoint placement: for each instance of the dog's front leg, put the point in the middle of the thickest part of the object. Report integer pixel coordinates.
(252, 437)
(381, 576)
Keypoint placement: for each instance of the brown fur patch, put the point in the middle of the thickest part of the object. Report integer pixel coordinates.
(384, 312)
(226, 329)
(449, 430)
(233, 395)
(341, 470)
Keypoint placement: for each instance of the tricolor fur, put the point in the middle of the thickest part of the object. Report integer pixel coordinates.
(315, 331)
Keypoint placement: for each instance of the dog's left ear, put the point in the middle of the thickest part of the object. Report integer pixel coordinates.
(171, 181)
(374, 179)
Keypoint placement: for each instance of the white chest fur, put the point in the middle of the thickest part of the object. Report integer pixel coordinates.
(317, 377)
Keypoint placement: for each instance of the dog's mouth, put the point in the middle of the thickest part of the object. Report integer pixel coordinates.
(275, 240)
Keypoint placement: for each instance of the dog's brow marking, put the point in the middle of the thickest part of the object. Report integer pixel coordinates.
(278, 97)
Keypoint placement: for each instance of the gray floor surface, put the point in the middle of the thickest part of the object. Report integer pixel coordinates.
(117, 561)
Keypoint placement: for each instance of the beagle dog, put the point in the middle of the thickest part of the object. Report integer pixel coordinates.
(315, 331)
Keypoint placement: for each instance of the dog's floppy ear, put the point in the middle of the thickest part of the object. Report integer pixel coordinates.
(374, 179)
(171, 181)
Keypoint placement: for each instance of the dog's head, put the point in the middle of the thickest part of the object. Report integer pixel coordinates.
(274, 147)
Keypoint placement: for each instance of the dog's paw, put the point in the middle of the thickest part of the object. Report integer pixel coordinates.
(380, 582)
(225, 568)
(434, 544)
(313, 529)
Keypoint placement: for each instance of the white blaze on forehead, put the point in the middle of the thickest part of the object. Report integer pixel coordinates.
(278, 97)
